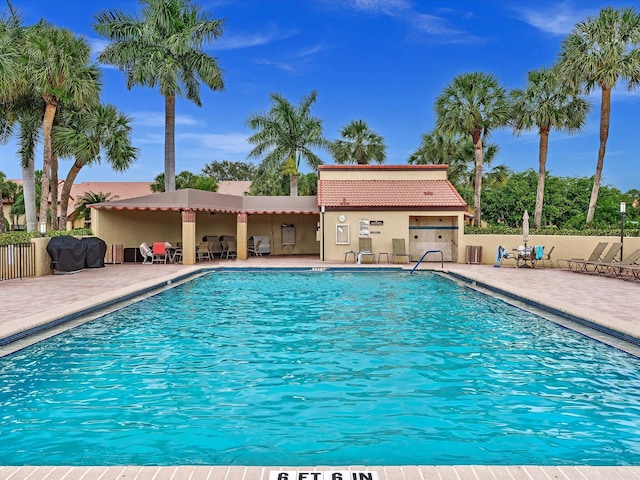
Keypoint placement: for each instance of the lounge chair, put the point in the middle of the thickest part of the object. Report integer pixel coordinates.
(232, 247)
(595, 256)
(215, 247)
(608, 258)
(546, 257)
(160, 252)
(254, 248)
(398, 250)
(203, 251)
(365, 249)
(147, 253)
(618, 269)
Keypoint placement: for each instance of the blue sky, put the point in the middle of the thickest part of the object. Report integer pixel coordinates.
(382, 61)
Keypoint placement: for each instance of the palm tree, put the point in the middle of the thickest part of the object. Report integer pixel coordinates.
(359, 145)
(89, 198)
(164, 48)
(57, 66)
(547, 103)
(596, 54)
(19, 105)
(7, 190)
(287, 133)
(445, 150)
(473, 104)
(84, 134)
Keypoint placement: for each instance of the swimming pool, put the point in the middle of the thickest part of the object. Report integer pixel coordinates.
(327, 368)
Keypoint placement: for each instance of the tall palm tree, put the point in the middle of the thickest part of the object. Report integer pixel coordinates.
(473, 104)
(359, 145)
(84, 134)
(164, 48)
(58, 70)
(596, 54)
(287, 133)
(547, 103)
(19, 105)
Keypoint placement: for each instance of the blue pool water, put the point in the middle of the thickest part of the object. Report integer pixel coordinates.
(319, 368)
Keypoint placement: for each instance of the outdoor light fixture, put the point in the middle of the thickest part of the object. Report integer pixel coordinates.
(623, 209)
(43, 228)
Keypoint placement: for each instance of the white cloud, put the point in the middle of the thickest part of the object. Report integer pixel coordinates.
(388, 7)
(218, 144)
(556, 19)
(248, 40)
(148, 118)
(286, 67)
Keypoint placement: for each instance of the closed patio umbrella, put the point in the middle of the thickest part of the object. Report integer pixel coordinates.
(525, 228)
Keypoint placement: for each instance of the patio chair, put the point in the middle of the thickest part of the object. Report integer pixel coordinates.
(203, 251)
(365, 249)
(546, 257)
(595, 256)
(618, 269)
(609, 257)
(177, 255)
(232, 247)
(215, 247)
(159, 252)
(254, 248)
(147, 253)
(398, 250)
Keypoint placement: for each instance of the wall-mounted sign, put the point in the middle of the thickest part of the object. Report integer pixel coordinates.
(364, 228)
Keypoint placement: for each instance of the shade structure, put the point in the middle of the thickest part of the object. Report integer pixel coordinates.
(525, 227)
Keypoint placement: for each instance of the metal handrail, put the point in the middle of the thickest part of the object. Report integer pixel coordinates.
(425, 254)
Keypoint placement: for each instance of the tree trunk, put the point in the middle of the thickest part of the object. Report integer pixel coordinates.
(605, 113)
(542, 162)
(477, 187)
(47, 123)
(169, 144)
(66, 190)
(3, 228)
(293, 185)
(29, 192)
(55, 225)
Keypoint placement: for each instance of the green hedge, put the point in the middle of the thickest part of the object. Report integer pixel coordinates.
(25, 237)
(587, 232)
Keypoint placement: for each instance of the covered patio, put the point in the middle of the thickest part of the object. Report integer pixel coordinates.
(187, 216)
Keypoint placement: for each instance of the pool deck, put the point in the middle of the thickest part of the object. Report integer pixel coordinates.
(610, 303)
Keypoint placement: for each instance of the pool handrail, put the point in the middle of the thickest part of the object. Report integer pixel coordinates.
(424, 255)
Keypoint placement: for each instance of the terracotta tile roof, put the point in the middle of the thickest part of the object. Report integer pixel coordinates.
(121, 190)
(419, 194)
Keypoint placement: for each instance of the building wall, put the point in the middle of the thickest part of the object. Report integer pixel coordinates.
(132, 227)
(566, 246)
(440, 231)
(378, 172)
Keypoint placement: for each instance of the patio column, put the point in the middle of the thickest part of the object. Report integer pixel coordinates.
(242, 235)
(188, 237)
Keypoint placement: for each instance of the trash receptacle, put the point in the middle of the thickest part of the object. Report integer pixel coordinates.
(474, 254)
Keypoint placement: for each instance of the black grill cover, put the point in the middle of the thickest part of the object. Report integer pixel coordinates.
(67, 254)
(95, 249)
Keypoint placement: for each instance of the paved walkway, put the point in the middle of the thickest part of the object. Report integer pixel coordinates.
(27, 303)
